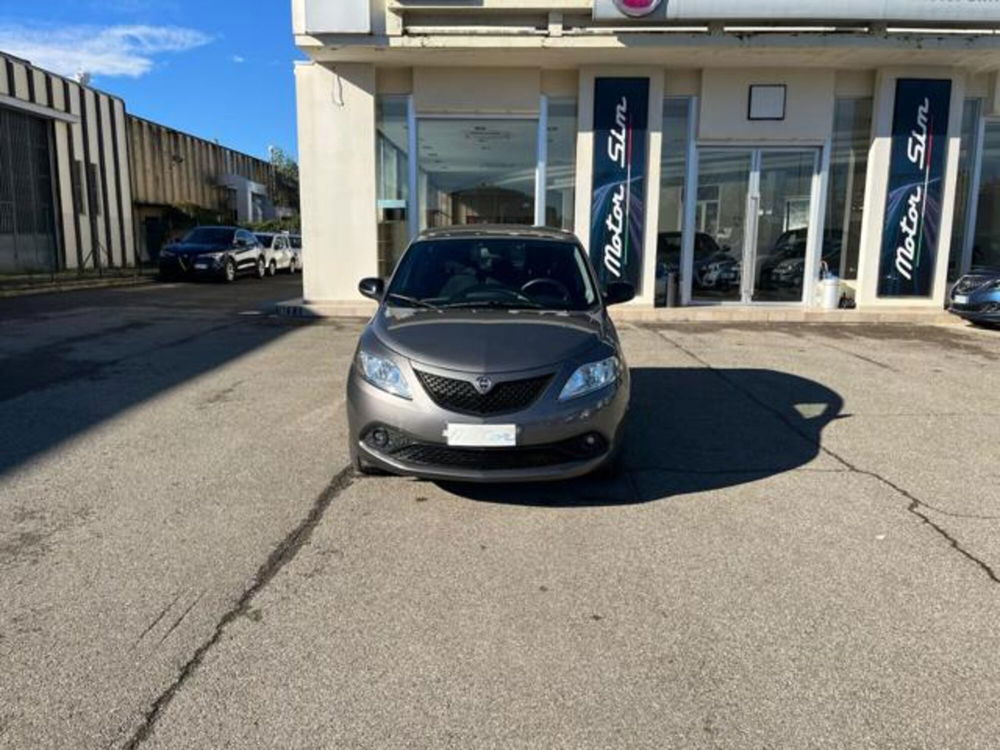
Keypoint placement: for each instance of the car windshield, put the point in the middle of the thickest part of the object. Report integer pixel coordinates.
(265, 239)
(210, 236)
(493, 272)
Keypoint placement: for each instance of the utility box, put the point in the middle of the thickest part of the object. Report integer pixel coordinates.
(338, 17)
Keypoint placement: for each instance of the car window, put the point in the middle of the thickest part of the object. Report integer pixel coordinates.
(265, 239)
(296, 242)
(209, 236)
(472, 272)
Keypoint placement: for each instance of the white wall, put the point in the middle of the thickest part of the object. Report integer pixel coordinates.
(336, 121)
(808, 106)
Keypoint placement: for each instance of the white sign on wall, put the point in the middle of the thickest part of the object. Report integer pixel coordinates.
(338, 16)
(940, 11)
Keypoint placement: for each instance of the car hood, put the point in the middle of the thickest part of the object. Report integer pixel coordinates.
(491, 341)
(188, 248)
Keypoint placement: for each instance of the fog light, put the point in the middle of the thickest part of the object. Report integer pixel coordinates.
(380, 437)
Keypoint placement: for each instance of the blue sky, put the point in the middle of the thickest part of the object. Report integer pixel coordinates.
(216, 68)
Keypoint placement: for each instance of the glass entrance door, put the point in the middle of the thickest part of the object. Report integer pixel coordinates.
(755, 207)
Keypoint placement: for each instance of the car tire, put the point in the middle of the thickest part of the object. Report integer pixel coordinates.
(272, 269)
(261, 271)
(229, 271)
(291, 267)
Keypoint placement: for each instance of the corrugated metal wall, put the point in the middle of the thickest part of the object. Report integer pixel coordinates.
(171, 168)
(89, 169)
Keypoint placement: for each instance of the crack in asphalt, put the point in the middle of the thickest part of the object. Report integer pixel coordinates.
(280, 556)
(156, 622)
(180, 619)
(915, 506)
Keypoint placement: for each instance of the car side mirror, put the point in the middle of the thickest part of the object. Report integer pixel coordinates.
(372, 288)
(618, 292)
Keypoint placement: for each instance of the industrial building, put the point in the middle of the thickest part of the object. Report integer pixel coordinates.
(84, 185)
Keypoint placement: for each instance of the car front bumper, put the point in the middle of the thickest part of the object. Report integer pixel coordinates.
(189, 267)
(985, 309)
(555, 440)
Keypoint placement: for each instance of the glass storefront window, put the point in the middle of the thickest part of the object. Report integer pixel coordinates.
(673, 168)
(986, 245)
(477, 170)
(391, 167)
(560, 173)
(848, 174)
(970, 131)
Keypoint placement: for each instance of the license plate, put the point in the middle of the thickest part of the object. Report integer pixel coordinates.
(482, 435)
(961, 299)
(201, 265)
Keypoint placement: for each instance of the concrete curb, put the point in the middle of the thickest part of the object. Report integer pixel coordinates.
(299, 308)
(72, 286)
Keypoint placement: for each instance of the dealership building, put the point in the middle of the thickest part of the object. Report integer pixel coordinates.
(745, 149)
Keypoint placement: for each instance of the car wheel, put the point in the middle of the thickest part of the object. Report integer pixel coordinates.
(229, 271)
(291, 266)
(272, 269)
(261, 268)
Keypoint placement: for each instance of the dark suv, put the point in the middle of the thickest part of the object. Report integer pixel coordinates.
(220, 252)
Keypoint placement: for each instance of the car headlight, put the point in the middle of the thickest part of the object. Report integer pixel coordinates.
(166, 254)
(216, 258)
(591, 377)
(384, 374)
(993, 285)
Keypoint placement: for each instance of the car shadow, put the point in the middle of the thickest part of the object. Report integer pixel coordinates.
(693, 430)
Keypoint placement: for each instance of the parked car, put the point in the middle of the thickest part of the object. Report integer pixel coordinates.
(976, 296)
(279, 255)
(221, 252)
(785, 265)
(296, 250)
(668, 257)
(491, 358)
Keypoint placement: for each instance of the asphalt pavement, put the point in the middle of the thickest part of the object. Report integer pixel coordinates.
(803, 551)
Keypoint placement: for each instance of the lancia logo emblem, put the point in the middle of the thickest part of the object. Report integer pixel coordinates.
(483, 384)
(637, 8)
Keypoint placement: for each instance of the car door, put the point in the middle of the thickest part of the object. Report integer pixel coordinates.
(281, 252)
(246, 250)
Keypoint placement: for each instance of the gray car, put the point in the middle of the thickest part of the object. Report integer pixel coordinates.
(491, 358)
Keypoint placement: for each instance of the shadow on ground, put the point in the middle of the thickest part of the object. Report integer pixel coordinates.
(693, 430)
(52, 393)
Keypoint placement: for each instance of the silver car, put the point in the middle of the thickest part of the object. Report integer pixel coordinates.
(491, 358)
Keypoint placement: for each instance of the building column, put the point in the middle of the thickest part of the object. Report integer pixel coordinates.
(879, 158)
(336, 122)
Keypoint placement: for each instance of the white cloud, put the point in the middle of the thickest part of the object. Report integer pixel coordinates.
(239, 59)
(102, 51)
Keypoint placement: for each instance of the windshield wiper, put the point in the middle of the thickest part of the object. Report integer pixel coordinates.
(412, 300)
(497, 303)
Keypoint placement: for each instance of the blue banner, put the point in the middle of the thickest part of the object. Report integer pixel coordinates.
(916, 186)
(617, 209)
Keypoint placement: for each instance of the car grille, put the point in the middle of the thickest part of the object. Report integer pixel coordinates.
(499, 459)
(970, 283)
(462, 396)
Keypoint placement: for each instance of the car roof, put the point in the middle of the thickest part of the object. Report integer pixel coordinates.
(505, 231)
